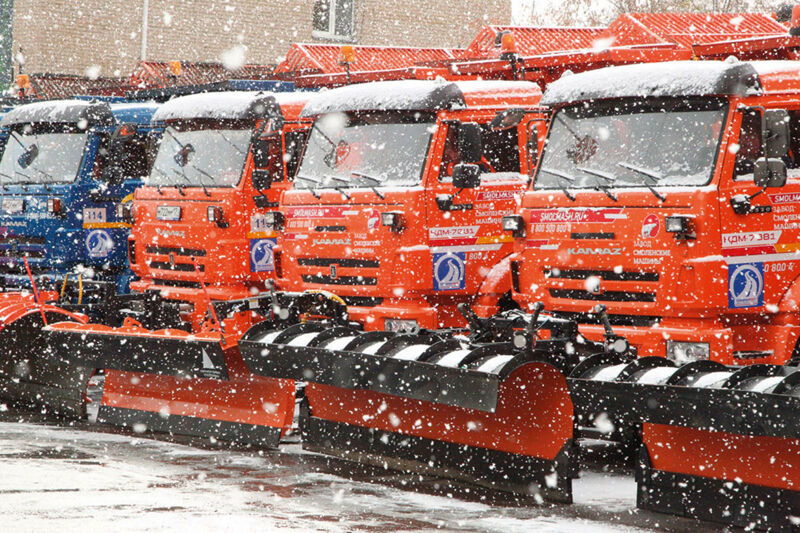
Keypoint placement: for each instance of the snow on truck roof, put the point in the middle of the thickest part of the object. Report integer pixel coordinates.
(677, 78)
(60, 111)
(410, 95)
(231, 105)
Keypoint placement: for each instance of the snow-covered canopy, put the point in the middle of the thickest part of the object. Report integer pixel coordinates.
(387, 96)
(677, 78)
(70, 111)
(225, 105)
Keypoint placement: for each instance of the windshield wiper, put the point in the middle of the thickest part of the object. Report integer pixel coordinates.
(46, 175)
(372, 187)
(601, 175)
(564, 176)
(203, 172)
(340, 190)
(315, 181)
(185, 178)
(647, 173)
(230, 142)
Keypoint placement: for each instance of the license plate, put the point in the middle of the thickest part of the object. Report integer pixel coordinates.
(94, 214)
(13, 205)
(168, 212)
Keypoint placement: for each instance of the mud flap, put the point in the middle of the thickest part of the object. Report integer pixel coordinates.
(31, 373)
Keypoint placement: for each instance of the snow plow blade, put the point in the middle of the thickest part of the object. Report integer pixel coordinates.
(31, 374)
(728, 438)
(176, 382)
(483, 412)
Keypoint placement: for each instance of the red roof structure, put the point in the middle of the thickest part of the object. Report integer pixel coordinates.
(159, 74)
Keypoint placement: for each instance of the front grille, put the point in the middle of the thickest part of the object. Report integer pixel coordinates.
(177, 250)
(340, 280)
(604, 296)
(344, 263)
(362, 301)
(608, 275)
(177, 267)
(177, 283)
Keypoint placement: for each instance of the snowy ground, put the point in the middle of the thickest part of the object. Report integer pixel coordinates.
(62, 478)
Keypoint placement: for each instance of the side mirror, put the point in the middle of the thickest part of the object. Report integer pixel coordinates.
(124, 132)
(769, 173)
(507, 118)
(775, 126)
(262, 179)
(261, 152)
(28, 156)
(466, 176)
(470, 142)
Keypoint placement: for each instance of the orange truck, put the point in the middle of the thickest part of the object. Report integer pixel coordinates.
(199, 238)
(397, 201)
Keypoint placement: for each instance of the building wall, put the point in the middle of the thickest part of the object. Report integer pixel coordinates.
(77, 37)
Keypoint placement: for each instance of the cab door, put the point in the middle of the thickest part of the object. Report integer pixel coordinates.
(760, 228)
(464, 225)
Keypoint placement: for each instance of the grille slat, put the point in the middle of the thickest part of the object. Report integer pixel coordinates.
(604, 296)
(177, 250)
(344, 263)
(341, 280)
(177, 267)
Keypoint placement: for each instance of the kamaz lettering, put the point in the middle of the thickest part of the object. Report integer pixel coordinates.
(594, 251)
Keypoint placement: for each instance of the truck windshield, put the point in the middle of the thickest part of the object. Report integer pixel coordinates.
(366, 150)
(200, 157)
(632, 143)
(42, 157)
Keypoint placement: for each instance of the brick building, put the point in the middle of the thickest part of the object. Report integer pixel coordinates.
(107, 37)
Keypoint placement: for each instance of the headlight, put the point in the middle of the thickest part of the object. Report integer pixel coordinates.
(393, 220)
(514, 224)
(400, 326)
(676, 224)
(681, 352)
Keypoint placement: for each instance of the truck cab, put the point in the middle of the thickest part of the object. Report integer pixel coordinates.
(669, 194)
(399, 196)
(67, 171)
(199, 221)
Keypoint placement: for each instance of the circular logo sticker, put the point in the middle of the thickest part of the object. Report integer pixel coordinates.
(650, 227)
(448, 272)
(99, 243)
(261, 255)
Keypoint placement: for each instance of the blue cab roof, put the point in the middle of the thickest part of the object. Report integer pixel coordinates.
(138, 112)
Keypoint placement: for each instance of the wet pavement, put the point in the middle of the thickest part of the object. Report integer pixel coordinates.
(68, 477)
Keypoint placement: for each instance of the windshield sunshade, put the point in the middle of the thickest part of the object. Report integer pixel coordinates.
(374, 150)
(632, 143)
(42, 158)
(203, 157)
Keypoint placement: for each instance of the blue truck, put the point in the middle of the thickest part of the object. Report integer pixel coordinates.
(67, 174)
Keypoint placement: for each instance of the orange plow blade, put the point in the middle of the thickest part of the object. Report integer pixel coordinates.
(173, 381)
(487, 413)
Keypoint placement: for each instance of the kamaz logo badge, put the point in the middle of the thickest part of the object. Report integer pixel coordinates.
(594, 251)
